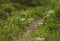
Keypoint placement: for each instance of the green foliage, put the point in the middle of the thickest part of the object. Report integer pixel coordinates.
(17, 15)
(57, 11)
(2, 14)
(17, 24)
(8, 8)
(49, 31)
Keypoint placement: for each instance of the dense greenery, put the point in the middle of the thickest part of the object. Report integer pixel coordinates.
(16, 15)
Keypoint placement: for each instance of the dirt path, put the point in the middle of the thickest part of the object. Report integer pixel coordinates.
(33, 27)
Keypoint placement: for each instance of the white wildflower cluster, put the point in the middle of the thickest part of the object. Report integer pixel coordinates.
(22, 19)
(50, 12)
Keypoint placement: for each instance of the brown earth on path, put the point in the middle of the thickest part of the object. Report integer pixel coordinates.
(33, 27)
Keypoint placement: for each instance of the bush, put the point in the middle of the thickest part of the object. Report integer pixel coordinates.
(57, 11)
(7, 8)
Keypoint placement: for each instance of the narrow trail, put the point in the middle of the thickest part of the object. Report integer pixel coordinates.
(33, 27)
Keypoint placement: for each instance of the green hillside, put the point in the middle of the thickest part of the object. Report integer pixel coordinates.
(18, 17)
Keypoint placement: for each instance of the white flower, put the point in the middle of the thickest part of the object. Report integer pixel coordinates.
(51, 11)
(22, 19)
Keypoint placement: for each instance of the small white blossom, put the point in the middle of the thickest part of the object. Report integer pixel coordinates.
(22, 19)
(51, 11)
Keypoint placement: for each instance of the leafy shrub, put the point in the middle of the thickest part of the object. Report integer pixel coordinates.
(3, 15)
(8, 8)
(17, 24)
(57, 11)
